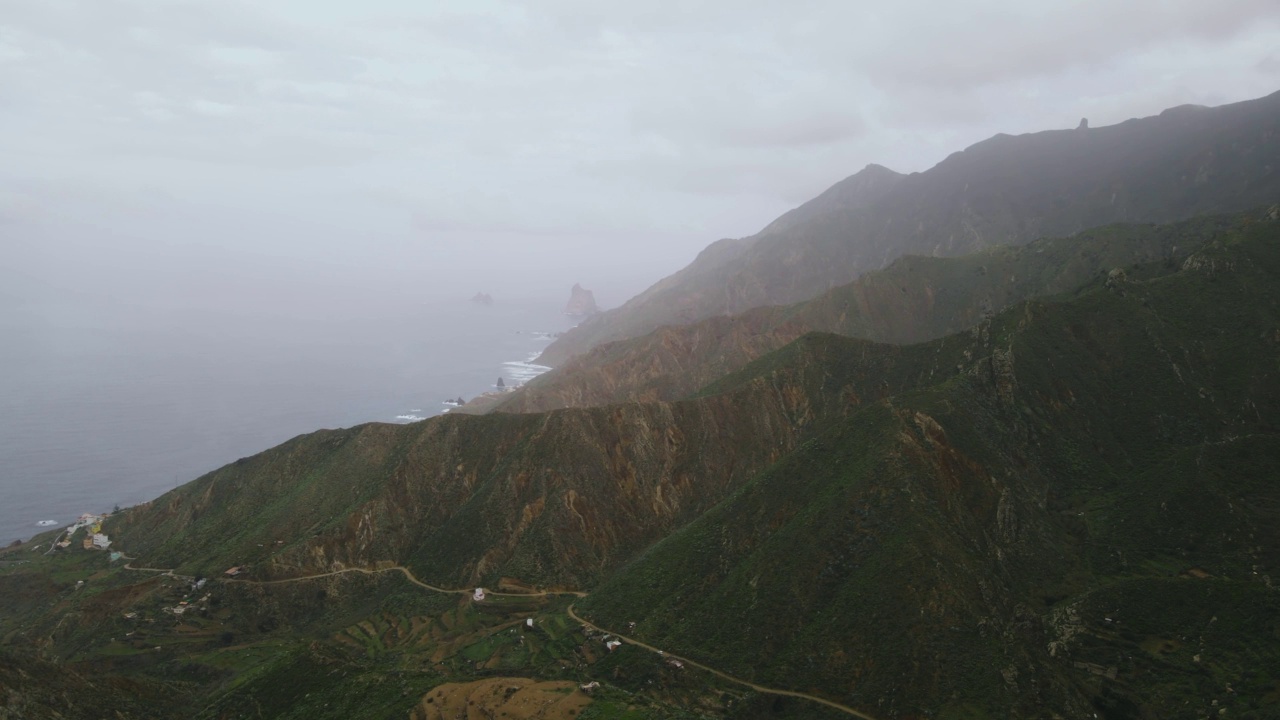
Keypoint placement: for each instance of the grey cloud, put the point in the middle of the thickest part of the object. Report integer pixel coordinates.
(566, 118)
(744, 120)
(991, 41)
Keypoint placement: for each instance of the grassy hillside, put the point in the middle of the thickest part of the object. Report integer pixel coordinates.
(555, 500)
(1083, 519)
(1185, 162)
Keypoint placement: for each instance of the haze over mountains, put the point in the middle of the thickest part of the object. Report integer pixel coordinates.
(1006, 190)
(993, 440)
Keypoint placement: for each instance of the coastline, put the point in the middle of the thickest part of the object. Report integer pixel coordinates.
(94, 428)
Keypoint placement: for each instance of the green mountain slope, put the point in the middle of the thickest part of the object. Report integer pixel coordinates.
(1083, 519)
(914, 299)
(1185, 162)
(1067, 509)
(554, 499)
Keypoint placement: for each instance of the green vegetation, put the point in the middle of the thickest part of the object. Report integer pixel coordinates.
(937, 543)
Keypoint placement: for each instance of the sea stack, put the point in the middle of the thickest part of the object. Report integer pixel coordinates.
(581, 302)
(482, 298)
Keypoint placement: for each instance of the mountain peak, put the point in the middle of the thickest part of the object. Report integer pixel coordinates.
(874, 169)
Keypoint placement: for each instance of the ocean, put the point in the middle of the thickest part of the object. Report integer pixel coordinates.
(105, 405)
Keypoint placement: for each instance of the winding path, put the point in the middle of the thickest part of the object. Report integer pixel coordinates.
(411, 578)
(408, 574)
(719, 674)
(162, 571)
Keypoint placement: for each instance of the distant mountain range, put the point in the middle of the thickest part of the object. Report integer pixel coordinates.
(914, 299)
(1026, 471)
(1006, 190)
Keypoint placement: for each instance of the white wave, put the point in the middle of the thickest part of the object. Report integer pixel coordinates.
(415, 410)
(409, 418)
(46, 523)
(524, 371)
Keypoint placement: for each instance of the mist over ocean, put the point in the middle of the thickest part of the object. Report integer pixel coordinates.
(103, 405)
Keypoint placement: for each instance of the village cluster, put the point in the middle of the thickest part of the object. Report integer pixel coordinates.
(94, 538)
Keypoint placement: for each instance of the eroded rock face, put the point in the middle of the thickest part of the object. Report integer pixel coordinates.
(554, 500)
(581, 302)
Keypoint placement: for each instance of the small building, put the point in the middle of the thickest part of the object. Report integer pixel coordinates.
(232, 572)
(479, 595)
(88, 543)
(613, 645)
(100, 541)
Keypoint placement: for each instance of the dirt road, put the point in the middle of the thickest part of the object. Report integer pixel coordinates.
(572, 614)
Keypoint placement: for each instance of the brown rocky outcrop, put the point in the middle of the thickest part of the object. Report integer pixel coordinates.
(581, 302)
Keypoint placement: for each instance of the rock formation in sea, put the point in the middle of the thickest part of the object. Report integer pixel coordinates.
(581, 302)
(482, 298)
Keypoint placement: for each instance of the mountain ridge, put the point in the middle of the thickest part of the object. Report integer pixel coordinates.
(1003, 190)
(915, 299)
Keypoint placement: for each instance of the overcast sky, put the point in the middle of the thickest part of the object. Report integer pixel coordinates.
(467, 145)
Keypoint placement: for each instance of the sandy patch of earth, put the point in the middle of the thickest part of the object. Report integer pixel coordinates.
(508, 698)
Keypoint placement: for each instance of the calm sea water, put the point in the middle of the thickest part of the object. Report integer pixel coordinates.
(102, 406)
